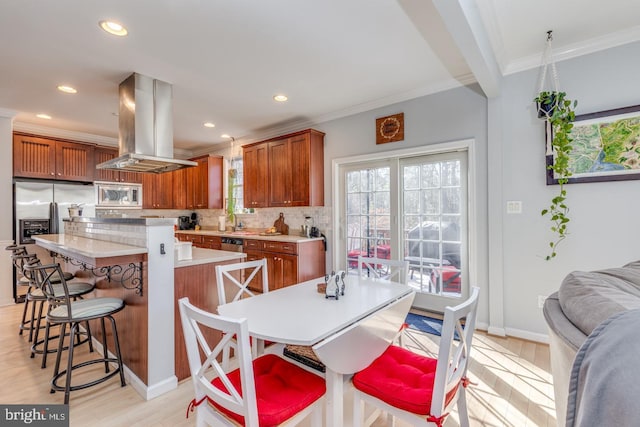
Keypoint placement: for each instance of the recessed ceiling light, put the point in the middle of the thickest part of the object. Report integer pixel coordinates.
(224, 135)
(67, 89)
(43, 116)
(280, 98)
(114, 28)
(209, 125)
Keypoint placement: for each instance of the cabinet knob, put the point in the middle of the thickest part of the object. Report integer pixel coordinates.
(59, 173)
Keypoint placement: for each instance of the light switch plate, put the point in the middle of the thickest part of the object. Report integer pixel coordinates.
(514, 207)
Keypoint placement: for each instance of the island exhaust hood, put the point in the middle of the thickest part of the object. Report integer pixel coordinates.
(145, 137)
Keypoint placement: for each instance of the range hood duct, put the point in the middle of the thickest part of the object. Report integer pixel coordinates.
(145, 137)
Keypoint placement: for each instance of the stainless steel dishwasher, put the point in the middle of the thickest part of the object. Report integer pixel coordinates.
(232, 244)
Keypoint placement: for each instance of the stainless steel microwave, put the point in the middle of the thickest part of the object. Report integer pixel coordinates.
(116, 195)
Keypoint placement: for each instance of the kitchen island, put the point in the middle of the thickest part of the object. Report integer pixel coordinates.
(195, 278)
(133, 259)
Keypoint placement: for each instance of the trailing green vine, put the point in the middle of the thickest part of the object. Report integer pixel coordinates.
(559, 112)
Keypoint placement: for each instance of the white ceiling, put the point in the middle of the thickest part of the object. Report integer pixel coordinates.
(227, 58)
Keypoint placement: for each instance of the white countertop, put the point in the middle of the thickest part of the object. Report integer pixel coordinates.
(206, 256)
(289, 238)
(91, 248)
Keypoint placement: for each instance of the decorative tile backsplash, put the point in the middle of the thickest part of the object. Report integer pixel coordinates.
(262, 218)
(265, 217)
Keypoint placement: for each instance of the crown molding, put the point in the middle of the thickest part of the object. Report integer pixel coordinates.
(574, 50)
(63, 133)
(7, 113)
(79, 136)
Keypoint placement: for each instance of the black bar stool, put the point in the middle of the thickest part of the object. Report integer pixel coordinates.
(66, 312)
(76, 291)
(19, 257)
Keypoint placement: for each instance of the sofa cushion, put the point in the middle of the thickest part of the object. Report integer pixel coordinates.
(589, 298)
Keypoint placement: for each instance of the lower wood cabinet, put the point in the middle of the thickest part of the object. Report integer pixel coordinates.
(201, 241)
(287, 263)
(211, 242)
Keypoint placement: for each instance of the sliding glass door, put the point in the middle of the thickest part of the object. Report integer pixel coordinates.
(368, 213)
(412, 208)
(434, 221)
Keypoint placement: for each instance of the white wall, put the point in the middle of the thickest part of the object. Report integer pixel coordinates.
(6, 203)
(603, 228)
(448, 116)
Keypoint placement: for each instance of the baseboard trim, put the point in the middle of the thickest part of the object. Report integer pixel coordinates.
(499, 332)
(528, 335)
(7, 302)
(147, 392)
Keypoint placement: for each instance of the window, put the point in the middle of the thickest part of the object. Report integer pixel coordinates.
(235, 193)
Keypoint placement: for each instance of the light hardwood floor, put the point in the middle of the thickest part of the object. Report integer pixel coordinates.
(514, 385)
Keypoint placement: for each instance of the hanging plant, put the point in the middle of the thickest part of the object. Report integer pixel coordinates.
(558, 111)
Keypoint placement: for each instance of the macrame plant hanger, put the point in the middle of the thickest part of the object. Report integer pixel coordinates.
(547, 61)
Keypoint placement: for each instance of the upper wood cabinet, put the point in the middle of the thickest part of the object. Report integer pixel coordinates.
(294, 171)
(203, 187)
(180, 188)
(198, 187)
(157, 190)
(256, 176)
(103, 154)
(36, 157)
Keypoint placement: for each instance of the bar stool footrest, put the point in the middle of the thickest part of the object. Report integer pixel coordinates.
(55, 387)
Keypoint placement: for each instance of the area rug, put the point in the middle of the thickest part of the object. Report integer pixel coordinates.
(424, 324)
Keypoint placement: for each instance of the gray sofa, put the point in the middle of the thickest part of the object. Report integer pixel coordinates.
(584, 301)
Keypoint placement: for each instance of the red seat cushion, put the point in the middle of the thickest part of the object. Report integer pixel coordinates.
(282, 390)
(402, 379)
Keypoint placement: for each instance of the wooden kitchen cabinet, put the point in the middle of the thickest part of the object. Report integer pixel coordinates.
(203, 183)
(196, 239)
(256, 176)
(201, 241)
(295, 170)
(157, 191)
(212, 242)
(180, 188)
(103, 154)
(287, 263)
(37, 157)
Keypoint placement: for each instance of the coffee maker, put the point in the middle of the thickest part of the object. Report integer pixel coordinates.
(184, 222)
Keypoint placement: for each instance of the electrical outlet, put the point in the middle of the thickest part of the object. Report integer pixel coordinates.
(541, 299)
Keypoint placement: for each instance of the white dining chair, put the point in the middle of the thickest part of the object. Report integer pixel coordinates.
(386, 269)
(396, 381)
(263, 391)
(234, 281)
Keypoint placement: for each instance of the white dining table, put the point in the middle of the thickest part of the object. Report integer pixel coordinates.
(347, 334)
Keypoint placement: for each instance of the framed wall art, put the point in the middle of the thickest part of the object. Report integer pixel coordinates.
(390, 129)
(606, 147)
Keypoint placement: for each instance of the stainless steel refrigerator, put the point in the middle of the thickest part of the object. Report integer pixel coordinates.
(40, 207)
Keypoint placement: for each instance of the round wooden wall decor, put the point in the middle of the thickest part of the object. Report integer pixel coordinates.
(390, 129)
